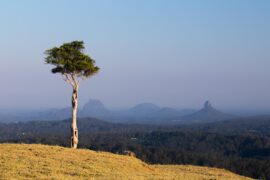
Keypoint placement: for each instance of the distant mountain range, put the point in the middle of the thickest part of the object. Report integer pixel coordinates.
(142, 113)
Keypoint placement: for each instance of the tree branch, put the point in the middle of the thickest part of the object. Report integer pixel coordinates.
(68, 79)
(75, 80)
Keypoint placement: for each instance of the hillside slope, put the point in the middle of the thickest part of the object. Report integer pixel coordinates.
(21, 161)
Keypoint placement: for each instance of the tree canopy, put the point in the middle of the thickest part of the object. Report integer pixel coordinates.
(70, 60)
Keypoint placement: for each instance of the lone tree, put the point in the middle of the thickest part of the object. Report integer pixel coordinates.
(71, 62)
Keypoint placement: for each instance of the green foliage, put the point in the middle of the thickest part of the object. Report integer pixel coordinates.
(69, 59)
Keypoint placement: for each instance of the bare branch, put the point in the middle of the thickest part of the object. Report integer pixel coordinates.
(68, 79)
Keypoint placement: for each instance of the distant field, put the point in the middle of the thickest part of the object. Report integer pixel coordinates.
(21, 161)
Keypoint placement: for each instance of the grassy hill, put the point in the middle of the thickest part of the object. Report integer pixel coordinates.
(22, 161)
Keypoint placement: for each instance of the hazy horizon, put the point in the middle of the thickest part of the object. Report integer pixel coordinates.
(170, 53)
(241, 112)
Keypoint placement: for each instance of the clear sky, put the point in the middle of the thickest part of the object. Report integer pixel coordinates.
(169, 52)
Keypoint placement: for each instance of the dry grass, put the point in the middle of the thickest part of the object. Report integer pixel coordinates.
(22, 161)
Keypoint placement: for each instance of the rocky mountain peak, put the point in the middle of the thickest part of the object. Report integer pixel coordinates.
(94, 108)
(207, 105)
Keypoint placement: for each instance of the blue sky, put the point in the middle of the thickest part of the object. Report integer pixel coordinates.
(172, 53)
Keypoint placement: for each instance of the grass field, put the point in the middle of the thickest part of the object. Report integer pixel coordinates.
(22, 161)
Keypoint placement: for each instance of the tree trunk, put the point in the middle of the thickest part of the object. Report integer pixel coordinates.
(74, 131)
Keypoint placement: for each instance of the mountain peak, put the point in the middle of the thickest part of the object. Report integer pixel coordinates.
(145, 106)
(95, 108)
(144, 109)
(148, 105)
(94, 102)
(207, 105)
(208, 114)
